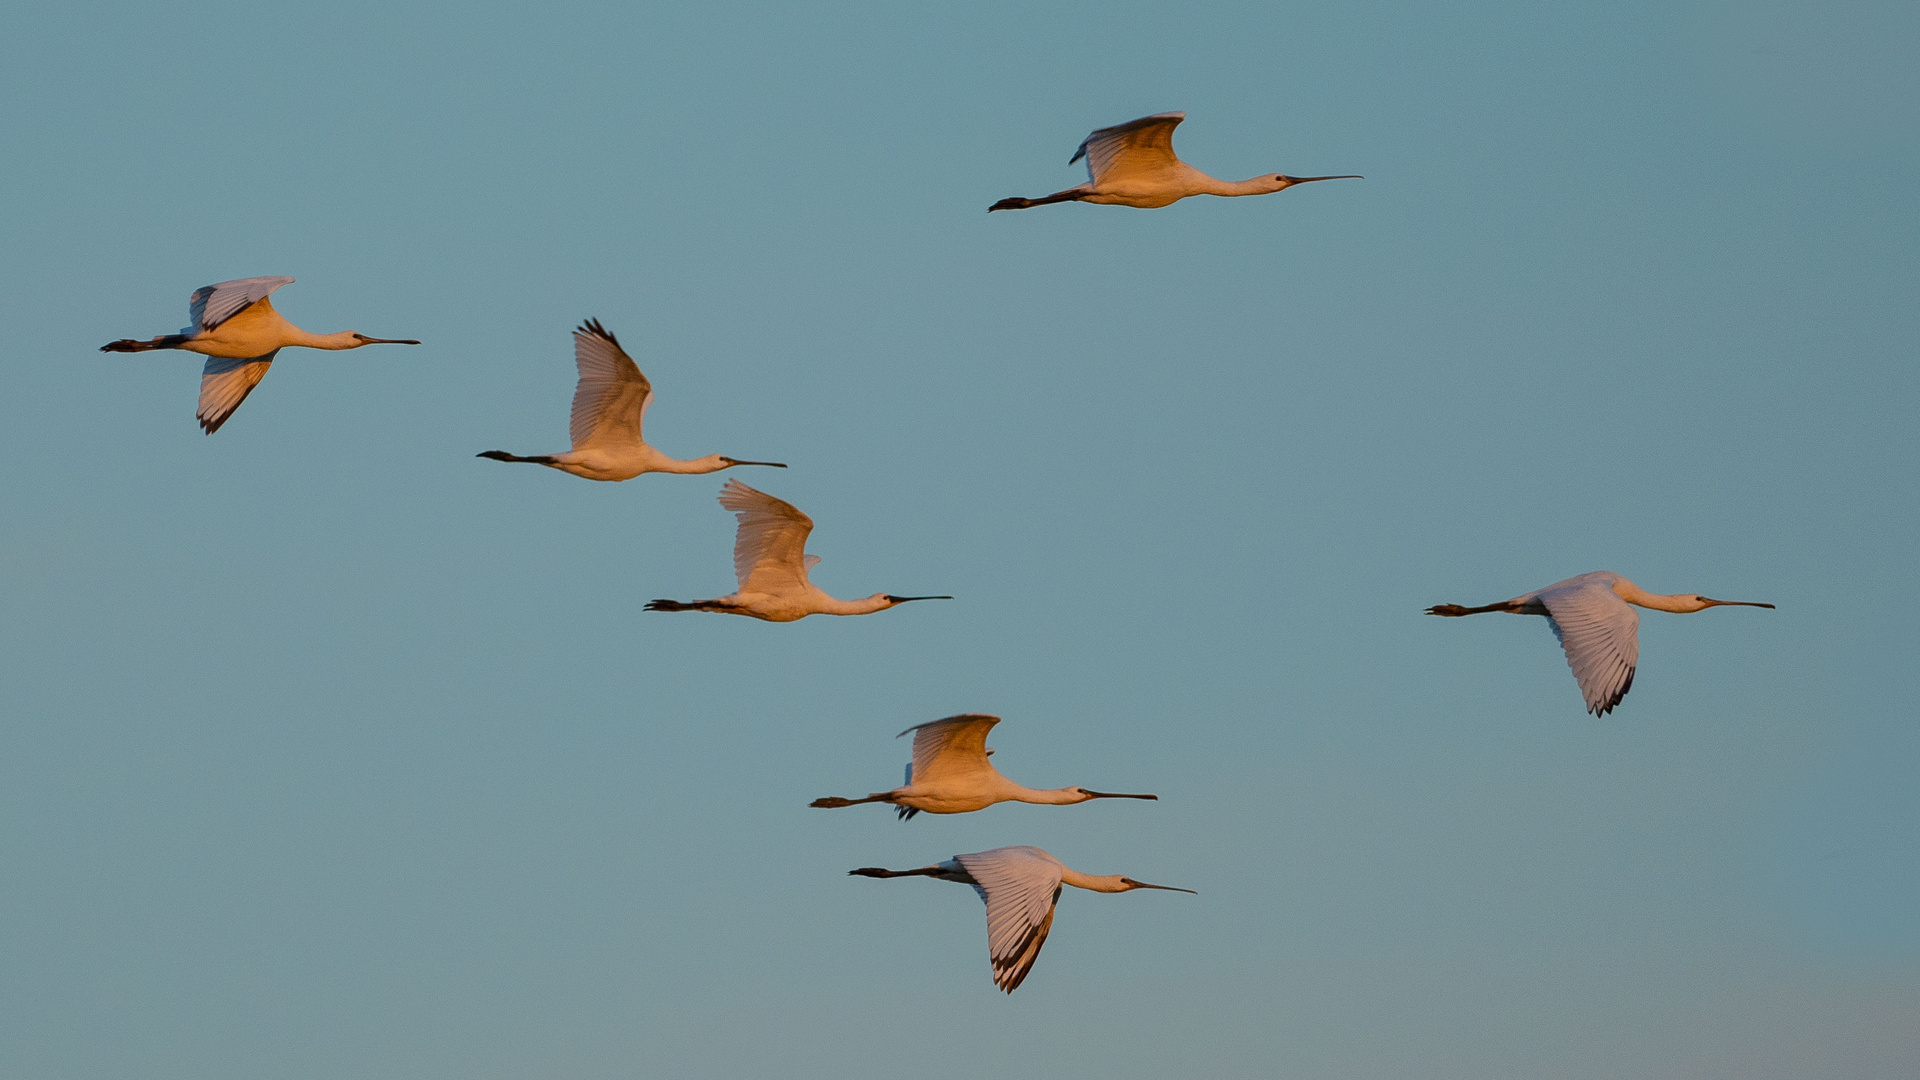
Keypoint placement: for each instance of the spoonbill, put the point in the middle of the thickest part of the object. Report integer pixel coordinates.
(950, 774)
(609, 404)
(1600, 633)
(771, 563)
(1133, 164)
(237, 329)
(1020, 885)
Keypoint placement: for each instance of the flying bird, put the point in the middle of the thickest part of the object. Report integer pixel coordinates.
(950, 774)
(1600, 633)
(609, 404)
(771, 563)
(1020, 885)
(237, 329)
(1133, 164)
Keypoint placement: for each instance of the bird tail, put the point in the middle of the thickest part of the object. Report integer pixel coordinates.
(502, 455)
(164, 341)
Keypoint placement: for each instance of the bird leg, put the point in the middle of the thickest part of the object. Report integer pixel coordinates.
(875, 871)
(1072, 194)
(835, 802)
(164, 341)
(695, 605)
(1454, 610)
(502, 455)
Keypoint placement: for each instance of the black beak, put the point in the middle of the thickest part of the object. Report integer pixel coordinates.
(1310, 179)
(1737, 603)
(775, 464)
(1112, 795)
(905, 599)
(388, 341)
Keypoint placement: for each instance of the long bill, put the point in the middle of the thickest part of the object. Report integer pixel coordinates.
(906, 599)
(775, 464)
(387, 341)
(1736, 603)
(1163, 888)
(1311, 179)
(1115, 795)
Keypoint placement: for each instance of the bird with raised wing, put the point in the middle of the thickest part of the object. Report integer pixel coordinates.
(1598, 630)
(1133, 164)
(950, 774)
(236, 327)
(609, 404)
(771, 564)
(1021, 886)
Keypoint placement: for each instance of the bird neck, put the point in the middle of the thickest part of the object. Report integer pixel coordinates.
(345, 339)
(866, 605)
(1639, 597)
(712, 463)
(1099, 883)
(1259, 185)
(1045, 796)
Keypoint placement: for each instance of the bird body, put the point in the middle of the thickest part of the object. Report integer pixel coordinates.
(1599, 631)
(1020, 886)
(1133, 164)
(770, 562)
(950, 774)
(235, 325)
(610, 403)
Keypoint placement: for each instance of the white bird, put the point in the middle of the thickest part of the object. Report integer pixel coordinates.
(609, 404)
(771, 563)
(1020, 885)
(237, 329)
(1600, 633)
(1133, 164)
(950, 774)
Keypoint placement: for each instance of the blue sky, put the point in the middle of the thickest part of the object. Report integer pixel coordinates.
(332, 751)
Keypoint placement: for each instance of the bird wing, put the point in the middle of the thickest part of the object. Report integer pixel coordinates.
(612, 397)
(949, 749)
(1601, 635)
(1143, 145)
(1021, 886)
(770, 544)
(225, 383)
(212, 305)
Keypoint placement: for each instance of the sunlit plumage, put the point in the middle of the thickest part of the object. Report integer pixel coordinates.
(609, 404)
(950, 774)
(770, 561)
(1598, 630)
(1021, 886)
(235, 326)
(1133, 164)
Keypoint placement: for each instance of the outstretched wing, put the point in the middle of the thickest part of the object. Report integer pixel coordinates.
(1021, 886)
(225, 383)
(1143, 145)
(950, 749)
(1601, 635)
(612, 397)
(770, 545)
(212, 305)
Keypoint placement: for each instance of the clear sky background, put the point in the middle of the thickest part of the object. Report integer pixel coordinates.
(332, 751)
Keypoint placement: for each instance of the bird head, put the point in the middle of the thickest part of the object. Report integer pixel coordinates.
(1082, 795)
(1282, 182)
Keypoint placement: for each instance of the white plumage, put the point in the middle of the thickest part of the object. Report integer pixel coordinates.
(950, 774)
(1597, 629)
(771, 564)
(610, 405)
(1133, 164)
(1021, 887)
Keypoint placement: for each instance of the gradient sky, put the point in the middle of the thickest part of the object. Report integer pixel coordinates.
(331, 751)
